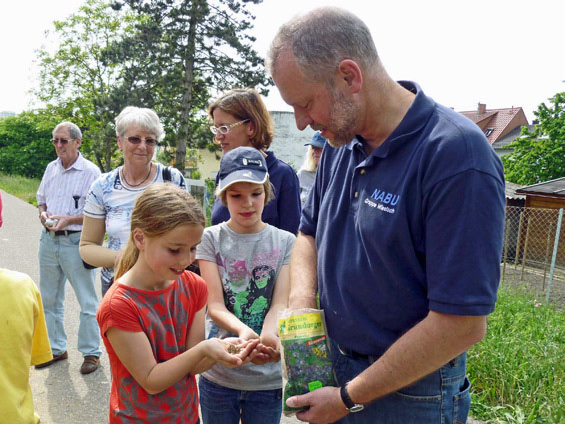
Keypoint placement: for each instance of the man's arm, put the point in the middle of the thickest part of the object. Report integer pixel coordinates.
(426, 347)
(303, 273)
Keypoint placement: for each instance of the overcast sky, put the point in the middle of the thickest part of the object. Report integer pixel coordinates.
(500, 52)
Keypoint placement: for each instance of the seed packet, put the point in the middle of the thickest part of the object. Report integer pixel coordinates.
(306, 357)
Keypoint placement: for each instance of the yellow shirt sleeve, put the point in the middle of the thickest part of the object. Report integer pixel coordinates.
(40, 348)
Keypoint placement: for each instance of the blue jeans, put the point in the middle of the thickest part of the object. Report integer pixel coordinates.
(442, 397)
(222, 405)
(59, 260)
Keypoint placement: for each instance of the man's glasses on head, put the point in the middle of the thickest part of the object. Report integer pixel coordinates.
(224, 129)
(61, 141)
(136, 140)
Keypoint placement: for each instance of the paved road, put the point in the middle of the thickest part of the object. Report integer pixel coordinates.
(62, 395)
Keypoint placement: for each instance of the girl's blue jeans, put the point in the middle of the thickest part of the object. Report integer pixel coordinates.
(222, 405)
(442, 397)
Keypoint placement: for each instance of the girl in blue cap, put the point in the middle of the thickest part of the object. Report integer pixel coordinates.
(245, 264)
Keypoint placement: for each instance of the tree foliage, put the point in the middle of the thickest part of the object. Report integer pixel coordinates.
(25, 147)
(79, 83)
(169, 55)
(539, 155)
(192, 48)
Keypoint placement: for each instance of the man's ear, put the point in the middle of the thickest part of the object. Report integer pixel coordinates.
(79, 142)
(138, 238)
(120, 143)
(349, 72)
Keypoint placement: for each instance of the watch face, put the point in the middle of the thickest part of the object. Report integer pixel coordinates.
(356, 408)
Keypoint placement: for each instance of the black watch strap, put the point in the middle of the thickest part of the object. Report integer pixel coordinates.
(349, 404)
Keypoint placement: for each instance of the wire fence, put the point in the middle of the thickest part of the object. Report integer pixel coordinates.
(533, 253)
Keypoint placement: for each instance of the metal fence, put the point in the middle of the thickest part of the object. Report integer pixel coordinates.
(199, 190)
(533, 254)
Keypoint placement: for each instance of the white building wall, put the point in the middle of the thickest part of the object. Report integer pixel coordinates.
(288, 143)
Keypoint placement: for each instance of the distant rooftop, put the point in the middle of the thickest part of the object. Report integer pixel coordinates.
(552, 188)
(496, 123)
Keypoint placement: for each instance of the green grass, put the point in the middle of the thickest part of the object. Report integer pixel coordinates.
(21, 187)
(518, 370)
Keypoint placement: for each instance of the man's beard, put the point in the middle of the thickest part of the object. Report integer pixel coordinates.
(342, 122)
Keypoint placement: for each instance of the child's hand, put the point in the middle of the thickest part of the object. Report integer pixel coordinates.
(231, 352)
(248, 334)
(267, 350)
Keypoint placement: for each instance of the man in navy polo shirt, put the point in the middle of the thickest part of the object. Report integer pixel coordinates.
(401, 234)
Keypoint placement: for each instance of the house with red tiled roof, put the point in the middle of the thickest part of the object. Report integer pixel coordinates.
(497, 124)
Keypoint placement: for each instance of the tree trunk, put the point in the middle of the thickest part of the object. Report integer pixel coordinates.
(108, 154)
(182, 136)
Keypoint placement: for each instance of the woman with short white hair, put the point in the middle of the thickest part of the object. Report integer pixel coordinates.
(110, 200)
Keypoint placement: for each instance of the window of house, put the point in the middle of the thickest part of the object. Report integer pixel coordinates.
(489, 131)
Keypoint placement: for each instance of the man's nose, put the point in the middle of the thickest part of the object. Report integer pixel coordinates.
(302, 119)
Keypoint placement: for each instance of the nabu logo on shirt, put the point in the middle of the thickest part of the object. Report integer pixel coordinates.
(383, 200)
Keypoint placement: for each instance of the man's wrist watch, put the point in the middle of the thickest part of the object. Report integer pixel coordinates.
(349, 404)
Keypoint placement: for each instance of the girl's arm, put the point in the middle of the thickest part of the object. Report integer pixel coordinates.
(195, 336)
(216, 307)
(90, 247)
(134, 352)
(269, 334)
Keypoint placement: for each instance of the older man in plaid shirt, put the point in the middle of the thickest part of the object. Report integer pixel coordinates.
(61, 197)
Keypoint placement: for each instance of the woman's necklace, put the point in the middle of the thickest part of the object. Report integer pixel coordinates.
(137, 185)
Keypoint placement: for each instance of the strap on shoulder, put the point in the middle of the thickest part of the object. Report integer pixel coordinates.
(166, 173)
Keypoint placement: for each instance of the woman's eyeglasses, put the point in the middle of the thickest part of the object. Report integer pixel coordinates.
(136, 140)
(61, 141)
(224, 129)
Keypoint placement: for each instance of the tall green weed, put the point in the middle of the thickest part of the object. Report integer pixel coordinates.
(518, 370)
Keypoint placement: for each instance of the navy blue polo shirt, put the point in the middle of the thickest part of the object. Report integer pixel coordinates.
(283, 211)
(415, 226)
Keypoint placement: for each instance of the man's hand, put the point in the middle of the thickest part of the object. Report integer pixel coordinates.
(302, 302)
(62, 222)
(43, 216)
(325, 406)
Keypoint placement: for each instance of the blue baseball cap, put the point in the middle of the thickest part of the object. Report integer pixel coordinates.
(242, 164)
(317, 141)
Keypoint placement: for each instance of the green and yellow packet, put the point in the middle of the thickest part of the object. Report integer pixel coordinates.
(306, 357)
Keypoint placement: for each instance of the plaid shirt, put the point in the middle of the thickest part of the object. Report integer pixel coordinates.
(59, 187)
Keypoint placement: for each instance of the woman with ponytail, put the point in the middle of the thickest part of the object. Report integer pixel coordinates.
(152, 318)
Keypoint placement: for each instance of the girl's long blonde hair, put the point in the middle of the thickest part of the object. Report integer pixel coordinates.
(158, 210)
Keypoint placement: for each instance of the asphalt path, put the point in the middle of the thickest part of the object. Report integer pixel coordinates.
(62, 395)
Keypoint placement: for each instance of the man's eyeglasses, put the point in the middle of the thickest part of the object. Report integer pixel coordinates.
(224, 129)
(62, 141)
(136, 140)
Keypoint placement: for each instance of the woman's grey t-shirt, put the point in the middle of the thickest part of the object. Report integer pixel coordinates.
(249, 265)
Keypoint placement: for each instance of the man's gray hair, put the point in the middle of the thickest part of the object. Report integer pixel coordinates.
(74, 130)
(141, 117)
(321, 39)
